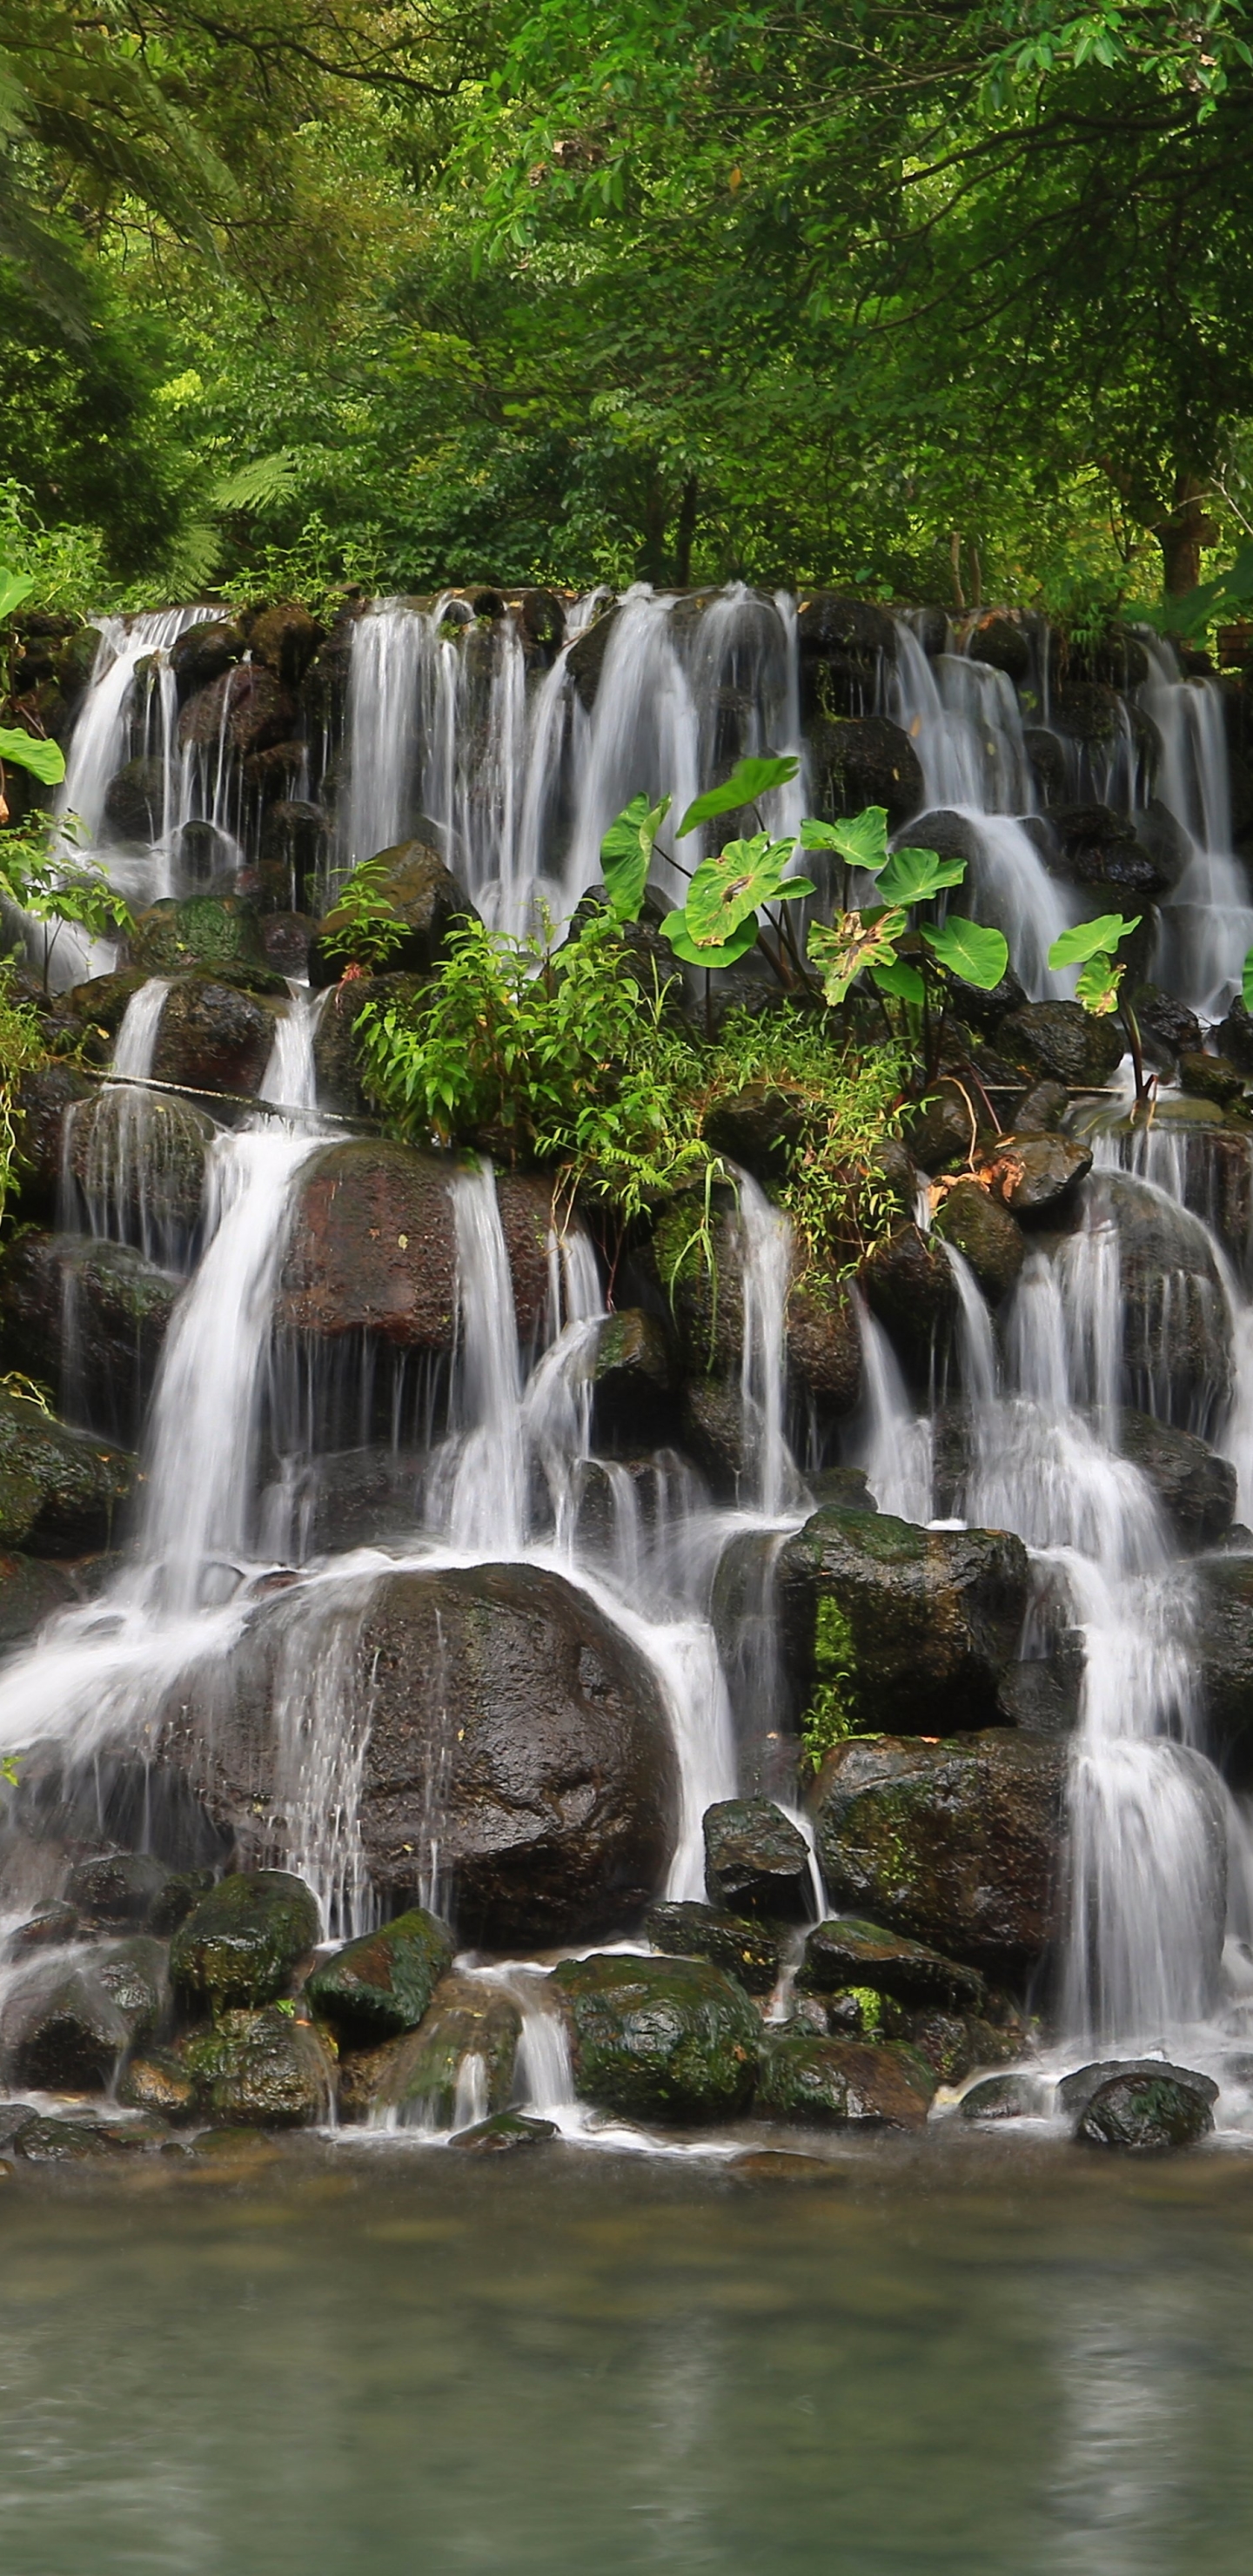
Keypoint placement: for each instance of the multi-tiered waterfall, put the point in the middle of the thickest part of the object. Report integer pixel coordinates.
(515, 759)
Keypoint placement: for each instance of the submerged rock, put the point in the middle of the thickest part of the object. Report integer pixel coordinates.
(958, 1843)
(503, 2133)
(381, 1985)
(750, 1952)
(804, 2077)
(659, 2039)
(756, 1861)
(928, 1619)
(1081, 2087)
(243, 1940)
(1146, 2115)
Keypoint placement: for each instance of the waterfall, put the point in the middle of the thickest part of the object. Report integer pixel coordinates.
(765, 1240)
(1208, 925)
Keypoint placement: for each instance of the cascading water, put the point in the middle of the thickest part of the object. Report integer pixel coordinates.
(1208, 925)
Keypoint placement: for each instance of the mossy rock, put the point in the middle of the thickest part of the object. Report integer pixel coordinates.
(505, 2132)
(752, 1953)
(1146, 2115)
(241, 1943)
(805, 2077)
(849, 1952)
(420, 896)
(157, 2081)
(928, 1620)
(419, 2076)
(659, 2039)
(62, 1492)
(377, 1987)
(198, 930)
(261, 2069)
(985, 1234)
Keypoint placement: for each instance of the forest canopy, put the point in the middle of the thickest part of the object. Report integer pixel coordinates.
(936, 300)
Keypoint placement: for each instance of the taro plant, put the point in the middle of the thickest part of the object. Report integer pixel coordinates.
(878, 939)
(1090, 945)
(718, 922)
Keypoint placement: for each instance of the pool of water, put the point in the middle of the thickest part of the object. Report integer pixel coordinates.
(996, 2358)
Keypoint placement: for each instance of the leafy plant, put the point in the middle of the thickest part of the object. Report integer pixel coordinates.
(21, 1047)
(867, 941)
(39, 876)
(1090, 945)
(33, 751)
(364, 925)
(717, 923)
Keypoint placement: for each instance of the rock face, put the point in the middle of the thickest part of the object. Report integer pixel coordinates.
(929, 1619)
(805, 2077)
(756, 1862)
(468, 2044)
(240, 1944)
(1195, 1489)
(372, 1248)
(61, 1492)
(659, 2039)
(213, 1037)
(139, 1160)
(847, 1952)
(959, 1844)
(1224, 1650)
(1175, 1318)
(752, 1953)
(1146, 2114)
(117, 1307)
(425, 901)
(864, 760)
(380, 1986)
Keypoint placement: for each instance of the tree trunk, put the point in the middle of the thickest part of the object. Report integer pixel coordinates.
(652, 554)
(1182, 535)
(685, 534)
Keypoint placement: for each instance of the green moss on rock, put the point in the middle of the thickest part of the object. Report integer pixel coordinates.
(381, 1985)
(659, 2039)
(240, 1944)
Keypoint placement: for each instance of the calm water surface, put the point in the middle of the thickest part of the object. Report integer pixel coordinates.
(980, 2357)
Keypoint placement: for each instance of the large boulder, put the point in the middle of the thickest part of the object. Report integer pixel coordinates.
(1146, 2114)
(910, 1287)
(1223, 1646)
(806, 2077)
(213, 1037)
(379, 1986)
(1176, 1321)
(985, 1234)
(338, 1049)
(707, 1303)
(117, 1887)
(204, 651)
(1063, 1040)
(62, 1492)
(844, 645)
(371, 1247)
(929, 1620)
(1035, 1175)
(659, 2039)
(285, 638)
(134, 802)
(262, 2069)
(752, 1953)
(863, 760)
(1195, 1489)
(998, 639)
(240, 1945)
(246, 709)
(139, 1160)
(420, 895)
(756, 1860)
(90, 1315)
(634, 1380)
(958, 1843)
(204, 931)
(65, 2028)
(847, 1952)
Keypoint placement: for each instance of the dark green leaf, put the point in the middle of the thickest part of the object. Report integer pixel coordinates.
(913, 876)
(861, 841)
(749, 780)
(32, 751)
(675, 929)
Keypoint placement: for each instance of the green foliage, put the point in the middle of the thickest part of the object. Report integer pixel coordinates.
(364, 925)
(1091, 946)
(21, 1047)
(969, 949)
(44, 759)
(576, 1060)
(38, 872)
(1246, 982)
(829, 1719)
(749, 781)
(626, 854)
(866, 942)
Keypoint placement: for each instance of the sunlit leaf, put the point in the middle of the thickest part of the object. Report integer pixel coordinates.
(32, 751)
(913, 876)
(969, 949)
(1246, 982)
(861, 841)
(1091, 939)
(626, 854)
(1098, 984)
(727, 889)
(675, 929)
(749, 780)
(14, 588)
(852, 944)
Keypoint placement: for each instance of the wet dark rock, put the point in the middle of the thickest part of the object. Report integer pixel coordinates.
(1145, 2115)
(30, 1592)
(371, 1248)
(958, 1843)
(1076, 2090)
(985, 1234)
(64, 2029)
(202, 653)
(1209, 1077)
(183, 1888)
(848, 1952)
(285, 638)
(750, 1952)
(757, 1127)
(929, 1619)
(1007, 2097)
(144, 1157)
(117, 1887)
(61, 1492)
(999, 640)
(863, 760)
(1195, 1489)
(659, 2039)
(213, 1037)
(910, 1287)
(1034, 1174)
(500, 2136)
(1175, 1319)
(824, 1347)
(264, 2069)
(426, 901)
(241, 1943)
(119, 1306)
(831, 622)
(942, 1133)
(338, 1044)
(804, 2077)
(1041, 1110)
(775, 2166)
(49, 1928)
(200, 931)
(418, 2076)
(157, 2081)
(586, 658)
(756, 1861)
(246, 707)
(42, 1098)
(380, 1985)
(1223, 1645)
(102, 1001)
(1062, 1040)
(841, 1489)
(134, 801)
(1234, 1037)
(711, 1429)
(47, 2140)
(543, 620)
(634, 1380)
(824, 1353)
(954, 2044)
